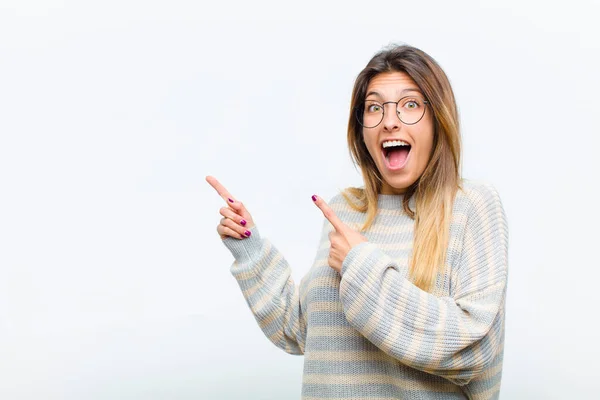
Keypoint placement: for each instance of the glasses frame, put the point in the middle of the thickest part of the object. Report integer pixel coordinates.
(360, 110)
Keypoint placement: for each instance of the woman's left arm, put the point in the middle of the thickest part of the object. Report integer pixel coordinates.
(453, 337)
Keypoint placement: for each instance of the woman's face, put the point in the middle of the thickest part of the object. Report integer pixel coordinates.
(400, 165)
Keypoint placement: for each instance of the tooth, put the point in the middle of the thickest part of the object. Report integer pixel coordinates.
(394, 143)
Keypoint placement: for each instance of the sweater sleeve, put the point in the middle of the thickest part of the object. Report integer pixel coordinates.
(264, 277)
(453, 337)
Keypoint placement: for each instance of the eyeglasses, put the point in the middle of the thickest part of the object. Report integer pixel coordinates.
(410, 110)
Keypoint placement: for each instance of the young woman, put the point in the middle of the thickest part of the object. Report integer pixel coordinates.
(406, 296)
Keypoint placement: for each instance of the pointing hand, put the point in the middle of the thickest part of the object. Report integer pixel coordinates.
(236, 221)
(342, 238)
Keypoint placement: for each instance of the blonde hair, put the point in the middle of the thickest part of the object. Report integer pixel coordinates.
(435, 189)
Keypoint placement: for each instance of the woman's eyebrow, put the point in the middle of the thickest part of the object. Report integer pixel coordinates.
(374, 93)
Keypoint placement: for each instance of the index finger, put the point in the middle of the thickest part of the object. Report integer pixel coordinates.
(330, 214)
(219, 188)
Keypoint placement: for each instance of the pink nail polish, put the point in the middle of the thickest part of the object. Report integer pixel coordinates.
(248, 233)
(231, 201)
(243, 222)
(314, 197)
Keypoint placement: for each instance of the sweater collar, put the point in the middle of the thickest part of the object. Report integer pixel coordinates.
(393, 201)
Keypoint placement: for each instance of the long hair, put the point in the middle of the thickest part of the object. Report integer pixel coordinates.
(435, 189)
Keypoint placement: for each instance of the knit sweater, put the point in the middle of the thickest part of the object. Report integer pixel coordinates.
(369, 332)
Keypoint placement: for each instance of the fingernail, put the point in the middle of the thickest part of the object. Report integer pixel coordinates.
(243, 222)
(314, 197)
(248, 233)
(231, 201)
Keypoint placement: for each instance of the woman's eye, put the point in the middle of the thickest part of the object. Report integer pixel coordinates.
(374, 108)
(411, 104)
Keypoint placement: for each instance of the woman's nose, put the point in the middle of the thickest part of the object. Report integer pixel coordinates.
(391, 121)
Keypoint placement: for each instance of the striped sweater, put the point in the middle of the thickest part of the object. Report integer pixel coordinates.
(369, 332)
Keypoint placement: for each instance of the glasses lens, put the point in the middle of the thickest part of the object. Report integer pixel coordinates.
(372, 114)
(411, 109)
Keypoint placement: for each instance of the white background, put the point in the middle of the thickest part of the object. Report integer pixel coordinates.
(113, 280)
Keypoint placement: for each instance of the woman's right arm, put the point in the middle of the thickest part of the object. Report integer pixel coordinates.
(264, 276)
(265, 279)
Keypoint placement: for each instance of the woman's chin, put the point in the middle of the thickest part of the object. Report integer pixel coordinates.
(397, 184)
(394, 188)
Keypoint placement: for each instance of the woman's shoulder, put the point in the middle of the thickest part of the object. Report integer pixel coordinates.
(476, 194)
(478, 208)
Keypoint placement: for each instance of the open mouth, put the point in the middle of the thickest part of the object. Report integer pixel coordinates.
(395, 153)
